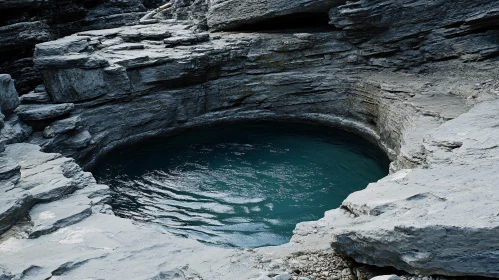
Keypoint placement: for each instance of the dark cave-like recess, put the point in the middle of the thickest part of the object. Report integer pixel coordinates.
(293, 22)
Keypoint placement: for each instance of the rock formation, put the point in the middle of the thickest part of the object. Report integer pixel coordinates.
(416, 77)
(25, 23)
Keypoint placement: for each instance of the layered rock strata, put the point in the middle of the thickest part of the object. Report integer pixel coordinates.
(416, 77)
(23, 24)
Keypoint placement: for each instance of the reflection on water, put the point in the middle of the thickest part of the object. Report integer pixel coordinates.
(241, 185)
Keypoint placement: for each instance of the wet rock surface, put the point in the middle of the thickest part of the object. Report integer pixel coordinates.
(417, 77)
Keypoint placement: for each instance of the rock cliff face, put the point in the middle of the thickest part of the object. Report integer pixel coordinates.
(25, 23)
(404, 74)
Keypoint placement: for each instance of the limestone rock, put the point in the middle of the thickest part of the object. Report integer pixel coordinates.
(44, 112)
(62, 126)
(35, 98)
(147, 33)
(386, 277)
(282, 277)
(15, 131)
(188, 40)
(223, 15)
(9, 170)
(25, 23)
(2, 123)
(404, 215)
(49, 217)
(9, 100)
(45, 177)
(24, 33)
(70, 44)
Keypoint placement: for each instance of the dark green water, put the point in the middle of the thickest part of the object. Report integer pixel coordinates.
(241, 185)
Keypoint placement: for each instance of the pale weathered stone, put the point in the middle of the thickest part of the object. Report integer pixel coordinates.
(43, 112)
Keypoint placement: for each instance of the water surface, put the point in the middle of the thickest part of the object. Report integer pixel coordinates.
(240, 185)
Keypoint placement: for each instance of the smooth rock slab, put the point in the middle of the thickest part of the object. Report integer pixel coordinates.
(44, 178)
(119, 249)
(35, 98)
(70, 44)
(49, 217)
(43, 112)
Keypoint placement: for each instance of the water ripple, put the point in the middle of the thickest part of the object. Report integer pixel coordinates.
(243, 185)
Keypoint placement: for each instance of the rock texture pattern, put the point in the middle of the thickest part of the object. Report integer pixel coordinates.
(417, 77)
(426, 220)
(24, 23)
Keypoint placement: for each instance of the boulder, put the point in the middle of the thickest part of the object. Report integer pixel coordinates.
(35, 98)
(62, 126)
(9, 99)
(15, 131)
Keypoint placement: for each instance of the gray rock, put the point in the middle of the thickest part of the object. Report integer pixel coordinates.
(28, 22)
(2, 117)
(62, 126)
(127, 47)
(223, 15)
(84, 84)
(45, 178)
(70, 44)
(9, 100)
(284, 276)
(9, 170)
(49, 217)
(24, 33)
(78, 60)
(6, 4)
(402, 216)
(35, 98)
(149, 32)
(15, 131)
(43, 112)
(386, 277)
(186, 41)
(81, 140)
(40, 88)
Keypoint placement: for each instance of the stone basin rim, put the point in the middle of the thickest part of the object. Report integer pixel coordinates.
(322, 120)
